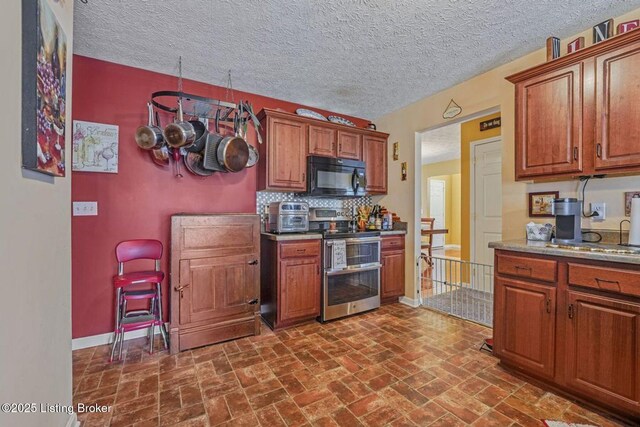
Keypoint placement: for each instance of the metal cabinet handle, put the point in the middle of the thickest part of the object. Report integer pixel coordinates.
(599, 150)
(181, 289)
(575, 153)
(253, 301)
(253, 262)
(548, 305)
(615, 282)
(520, 267)
(571, 311)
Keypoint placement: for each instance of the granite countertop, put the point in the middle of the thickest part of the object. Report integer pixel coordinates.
(393, 232)
(542, 249)
(292, 236)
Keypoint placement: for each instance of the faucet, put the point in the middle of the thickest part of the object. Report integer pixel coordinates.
(624, 220)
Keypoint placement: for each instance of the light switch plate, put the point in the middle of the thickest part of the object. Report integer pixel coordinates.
(85, 208)
(601, 208)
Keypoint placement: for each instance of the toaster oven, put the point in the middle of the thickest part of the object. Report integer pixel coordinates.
(288, 217)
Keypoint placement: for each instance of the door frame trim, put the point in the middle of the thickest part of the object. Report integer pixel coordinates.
(472, 193)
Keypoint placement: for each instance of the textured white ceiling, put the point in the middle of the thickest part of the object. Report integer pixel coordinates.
(358, 57)
(441, 144)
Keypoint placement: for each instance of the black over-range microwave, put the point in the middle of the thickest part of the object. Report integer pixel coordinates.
(330, 177)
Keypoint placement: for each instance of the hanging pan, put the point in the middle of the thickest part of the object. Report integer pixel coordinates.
(160, 156)
(193, 163)
(201, 136)
(149, 137)
(180, 134)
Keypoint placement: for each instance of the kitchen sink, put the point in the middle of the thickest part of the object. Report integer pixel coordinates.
(590, 247)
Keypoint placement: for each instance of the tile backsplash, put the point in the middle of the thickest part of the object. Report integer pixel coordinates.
(263, 198)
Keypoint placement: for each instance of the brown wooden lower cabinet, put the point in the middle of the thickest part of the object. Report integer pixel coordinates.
(291, 281)
(578, 338)
(603, 349)
(215, 290)
(527, 335)
(392, 276)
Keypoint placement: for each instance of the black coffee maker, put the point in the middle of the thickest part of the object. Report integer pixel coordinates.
(568, 212)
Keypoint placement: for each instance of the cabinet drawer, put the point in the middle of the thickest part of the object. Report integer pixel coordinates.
(545, 270)
(392, 242)
(299, 249)
(605, 279)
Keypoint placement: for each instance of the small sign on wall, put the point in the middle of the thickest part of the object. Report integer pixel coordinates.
(490, 124)
(404, 171)
(95, 147)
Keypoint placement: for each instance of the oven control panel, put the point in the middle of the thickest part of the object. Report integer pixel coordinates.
(329, 214)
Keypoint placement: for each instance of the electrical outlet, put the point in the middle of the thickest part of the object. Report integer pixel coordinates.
(85, 208)
(599, 207)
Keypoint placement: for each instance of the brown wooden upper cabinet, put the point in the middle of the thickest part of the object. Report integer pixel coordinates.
(374, 151)
(617, 112)
(284, 166)
(322, 141)
(578, 115)
(549, 139)
(349, 145)
(289, 139)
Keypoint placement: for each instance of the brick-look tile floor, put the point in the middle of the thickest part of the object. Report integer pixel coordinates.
(394, 366)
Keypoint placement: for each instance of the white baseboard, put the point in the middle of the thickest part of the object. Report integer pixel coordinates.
(73, 420)
(102, 339)
(413, 303)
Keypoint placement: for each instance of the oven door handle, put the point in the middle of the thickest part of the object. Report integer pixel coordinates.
(352, 270)
(356, 240)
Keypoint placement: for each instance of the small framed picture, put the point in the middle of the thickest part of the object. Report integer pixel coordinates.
(540, 203)
(396, 150)
(627, 201)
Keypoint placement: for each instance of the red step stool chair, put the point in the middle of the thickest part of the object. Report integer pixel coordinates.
(128, 289)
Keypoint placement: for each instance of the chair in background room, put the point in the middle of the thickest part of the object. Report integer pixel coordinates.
(135, 286)
(427, 224)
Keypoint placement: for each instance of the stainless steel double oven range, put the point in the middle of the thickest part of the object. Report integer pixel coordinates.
(351, 264)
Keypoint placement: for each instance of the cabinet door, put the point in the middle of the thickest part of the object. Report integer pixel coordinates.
(287, 154)
(603, 349)
(549, 123)
(392, 274)
(524, 325)
(374, 154)
(299, 288)
(214, 288)
(617, 110)
(322, 141)
(349, 145)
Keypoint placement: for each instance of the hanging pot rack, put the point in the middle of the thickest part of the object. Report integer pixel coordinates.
(193, 105)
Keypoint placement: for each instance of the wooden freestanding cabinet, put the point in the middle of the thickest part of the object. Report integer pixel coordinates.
(215, 279)
(571, 323)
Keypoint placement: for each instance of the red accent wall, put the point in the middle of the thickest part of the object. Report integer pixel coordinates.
(139, 200)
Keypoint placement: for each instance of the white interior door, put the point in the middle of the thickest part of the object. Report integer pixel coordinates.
(486, 216)
(437, 209)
